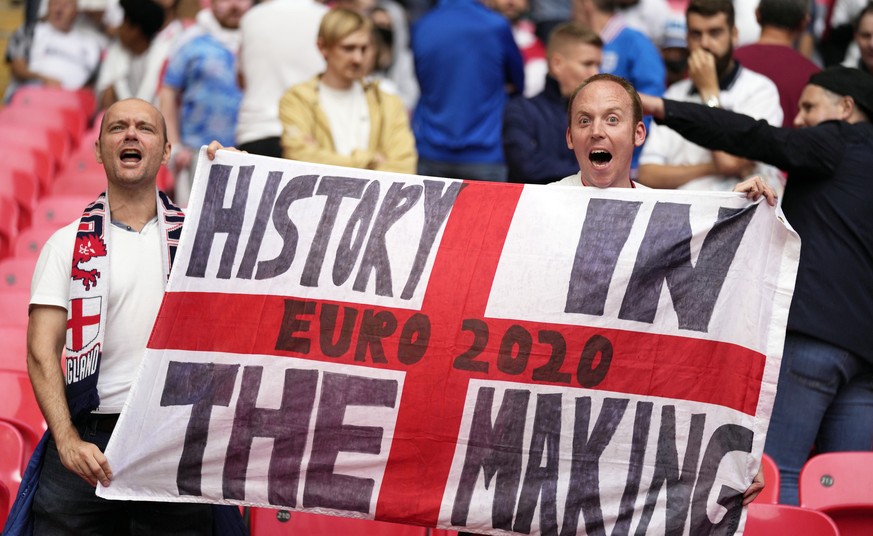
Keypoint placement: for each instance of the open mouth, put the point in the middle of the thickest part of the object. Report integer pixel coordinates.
(131, 156)
(599, 157)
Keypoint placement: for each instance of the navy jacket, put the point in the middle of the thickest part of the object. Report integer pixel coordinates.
(827, 200)
(535, 137)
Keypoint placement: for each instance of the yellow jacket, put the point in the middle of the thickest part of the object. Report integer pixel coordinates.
(306, 132)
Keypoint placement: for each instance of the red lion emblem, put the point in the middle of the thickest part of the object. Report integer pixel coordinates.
(87, 247)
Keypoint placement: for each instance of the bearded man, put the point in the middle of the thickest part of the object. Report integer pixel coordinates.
(716, 79)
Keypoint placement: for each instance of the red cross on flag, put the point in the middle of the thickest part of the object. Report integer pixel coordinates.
(457, 354)
(83, 322)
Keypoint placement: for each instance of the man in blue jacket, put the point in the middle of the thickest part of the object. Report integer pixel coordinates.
(466, 61)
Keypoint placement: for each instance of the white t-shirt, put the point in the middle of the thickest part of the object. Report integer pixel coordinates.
(648, 17)
(138, 76)
(348, 117)
(136, 288)
(751, 94)
(70, 57)
(576, 180)
(277, 51)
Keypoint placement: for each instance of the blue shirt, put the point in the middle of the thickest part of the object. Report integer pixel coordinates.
(631, 55)
(465, 56)
(203, 71)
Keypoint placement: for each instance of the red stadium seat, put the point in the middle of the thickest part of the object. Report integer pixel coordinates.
(24, 188)
(80, 183)
(15, 456)
(15, 142)
(59, 210)
(13, 307)
(70, 120)
(770, 494)
(30, 241)
(84, 159)
(8, 224)
(17, 401)
(5, 503)
(780, 519)
(48, 97)
(13, 341)
(92, 133)
(29, 160)
(53, 135)
(270, 522)
(840, 484)
(31, 436)
(165, 180)
(16, 273)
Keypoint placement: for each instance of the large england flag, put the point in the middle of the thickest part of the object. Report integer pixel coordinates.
(498, 358)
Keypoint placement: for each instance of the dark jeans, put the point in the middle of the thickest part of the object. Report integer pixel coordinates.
(64, 504)
(824, 399)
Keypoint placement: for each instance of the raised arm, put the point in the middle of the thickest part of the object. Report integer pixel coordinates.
(814, 149)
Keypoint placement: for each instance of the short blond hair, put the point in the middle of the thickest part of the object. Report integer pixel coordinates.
(339, 23)
(571, 33)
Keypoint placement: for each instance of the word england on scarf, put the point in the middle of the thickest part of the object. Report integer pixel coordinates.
(500, 358)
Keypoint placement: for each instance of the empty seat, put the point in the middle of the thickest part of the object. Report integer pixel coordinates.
(780, 519)
(270, 522)
(79, 183)
(13, 341)
(14, 141)
(5, 503)
(16, 273)
(31, 436)
(53, 136)
(14, 458)
(165, 180)
(51, 97)
(8, 224)
(30, 241)
(30, 160)
(23, 187)
(13, 307)
(770, 494)
(83, 159)
(840, 484)
(69, 120)
(59, 210)
(17, 401)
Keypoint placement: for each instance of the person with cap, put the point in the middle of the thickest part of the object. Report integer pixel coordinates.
(674, 49)
(824, 395)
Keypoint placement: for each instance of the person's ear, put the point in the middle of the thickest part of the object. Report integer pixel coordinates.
(322, 48)
(639, 134)
(847, 107)
(807, 20)
(556, 63)
(735, 36)
(97, 151)
(569, 139)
